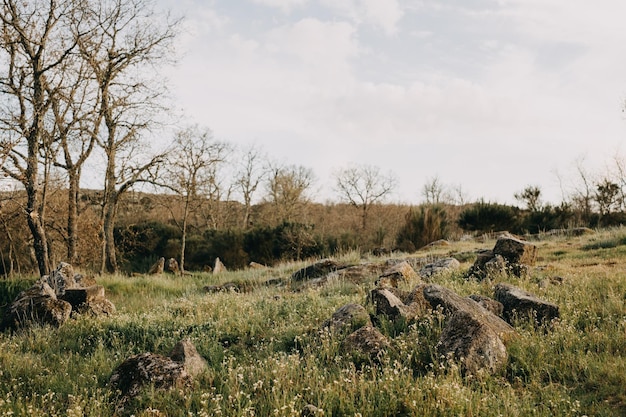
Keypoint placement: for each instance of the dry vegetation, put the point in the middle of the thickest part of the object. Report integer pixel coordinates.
(267, 355)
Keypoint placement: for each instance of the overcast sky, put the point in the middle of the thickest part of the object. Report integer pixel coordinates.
(491, 95)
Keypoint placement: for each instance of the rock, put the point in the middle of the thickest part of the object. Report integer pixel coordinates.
(158, 267)
(347, 319)
(148, 369)
(437, 244)
(96, 308)
(520, 304)
(212, 288)
(359, 274)
(219, 267)
(255, 265)
(317, 270)
(388, 304)
(452, 303)
(61, 278)
(78, 296)
(488, 304)
(416, 298)
(366, 343)
(438, 267)
(472, 341)
(381, 251)
(172, 266)
(36, 305)
(310, 410)
(185, 352)
(400, 272)
(84, 281)
(516, 251)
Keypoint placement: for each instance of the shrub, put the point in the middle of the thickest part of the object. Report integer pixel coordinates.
(489, 217)
(422, 226)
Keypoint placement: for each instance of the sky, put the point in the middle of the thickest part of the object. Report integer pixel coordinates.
(487, 96)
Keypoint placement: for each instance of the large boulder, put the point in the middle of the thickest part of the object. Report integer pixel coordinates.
(438, 267)
(185, 352)
(36, 305)
(61, 278)
(520, 304)
(172, 266)
(452, 303)
(347, 319)
(89, 300)
(488, 304)
(516, 251)
(158, 267)
(470, 340)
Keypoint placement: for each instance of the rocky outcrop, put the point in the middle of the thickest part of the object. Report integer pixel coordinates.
(36, 305)
(438, 267)
(53, 298)
(509, 255)
(520, 304)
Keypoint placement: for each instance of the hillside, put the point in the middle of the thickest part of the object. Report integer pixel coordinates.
(267, 352)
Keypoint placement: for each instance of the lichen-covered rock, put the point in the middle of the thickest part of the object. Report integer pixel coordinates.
(471, 341)
(438, 267)
(488, 304)
(148, 369)
(90, 300)
(366, 343)
(61, 278)
(36, 305)
(219, 267)
(359, 274)
(185, 352)
(158, 267)
(347, 319)
(399, 272)
(172, 266)
(516, 251)
(520, 304)
(387, 304)
(452, 303)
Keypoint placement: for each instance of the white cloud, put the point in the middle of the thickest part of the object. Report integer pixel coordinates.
(285, 5)
(383, 14)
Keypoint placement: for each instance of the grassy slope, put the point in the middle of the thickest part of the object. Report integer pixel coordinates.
(267, 356)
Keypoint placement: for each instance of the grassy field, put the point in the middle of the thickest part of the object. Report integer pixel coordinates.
(268, 357)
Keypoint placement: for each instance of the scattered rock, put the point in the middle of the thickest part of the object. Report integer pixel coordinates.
(255, 265)
(400, 272)
(317, 270)
(437, 244)
(416, 298)
(472, 342)
(89, 300)
(219, 267)
(158, 267)
(516, 251)
(388, 304)
(438, 267)
(509, 255)
(359, 274)
(36, 305)
(520, 304)
(61, 278)
(172, 266)
(366, 343)
(381, 251)
(347, 319)
(185, 352)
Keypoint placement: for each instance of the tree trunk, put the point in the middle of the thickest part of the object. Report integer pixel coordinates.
(109, 214)
(72, 217)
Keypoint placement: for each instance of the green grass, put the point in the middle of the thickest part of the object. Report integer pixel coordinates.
(269, 356)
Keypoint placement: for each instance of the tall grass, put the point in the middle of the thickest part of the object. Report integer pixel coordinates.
(268, 354)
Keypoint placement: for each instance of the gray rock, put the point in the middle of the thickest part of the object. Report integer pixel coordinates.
(520, 304)
(317, 270)
(471, 341)
(185, 352)
(37, 305)
(218, 267)
(438, 267)
(400, 272)
(348, 318)
(172, 266)
(158, 267)
(366, 343)
(387, 304)
(61, 278)
(310, 410)
(516, 251)
(488, 304)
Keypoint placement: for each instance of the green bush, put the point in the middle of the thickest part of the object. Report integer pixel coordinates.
(421, 227)
(489, 217)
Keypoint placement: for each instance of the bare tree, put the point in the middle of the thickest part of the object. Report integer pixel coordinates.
(286, 190)
(249, 175)
(34, 43)
(362, 186)
(129, 43)
(435, 192)
(190, 171)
